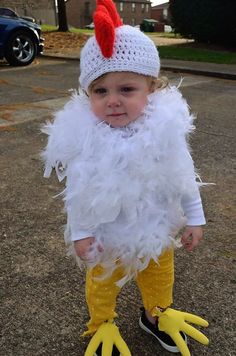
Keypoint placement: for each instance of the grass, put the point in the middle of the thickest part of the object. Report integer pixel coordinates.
(197, 54)
(47, 28)
(166, 34)
(181, 52)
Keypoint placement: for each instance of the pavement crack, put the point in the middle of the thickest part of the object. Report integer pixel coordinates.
(214, 134)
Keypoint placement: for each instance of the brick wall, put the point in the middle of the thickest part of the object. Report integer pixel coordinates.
(80, 13)
(157, 14)
(161, 13)
(42, 10)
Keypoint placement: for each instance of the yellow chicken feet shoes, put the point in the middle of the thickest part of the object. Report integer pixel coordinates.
(172, 322)
(108, 335)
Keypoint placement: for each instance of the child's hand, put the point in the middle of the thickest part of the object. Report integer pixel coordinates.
(84, 248)
(191, 237)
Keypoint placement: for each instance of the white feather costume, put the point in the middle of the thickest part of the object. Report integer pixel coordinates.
(124, 185)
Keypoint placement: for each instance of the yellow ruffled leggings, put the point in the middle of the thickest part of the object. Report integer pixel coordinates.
(155, 284)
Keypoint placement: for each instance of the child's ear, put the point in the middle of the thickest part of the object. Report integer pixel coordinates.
(161, 83)
(153, 85)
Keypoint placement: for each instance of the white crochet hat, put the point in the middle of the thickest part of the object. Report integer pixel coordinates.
(116, 48)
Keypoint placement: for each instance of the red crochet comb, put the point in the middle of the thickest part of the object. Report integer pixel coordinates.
(106, 19)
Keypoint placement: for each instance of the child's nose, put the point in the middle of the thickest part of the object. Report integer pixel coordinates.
(113, 100)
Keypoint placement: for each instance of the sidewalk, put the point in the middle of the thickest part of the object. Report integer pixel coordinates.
(224, 71)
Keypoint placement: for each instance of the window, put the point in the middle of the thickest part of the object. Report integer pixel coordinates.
(147, 7)
(121, 6)
(87, 9)
(133, 6)
(165, 13)
(7, 12)
(142, 7)
(133, 22)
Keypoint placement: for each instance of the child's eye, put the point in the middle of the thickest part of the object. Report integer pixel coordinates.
(127, 89)
(99, 91)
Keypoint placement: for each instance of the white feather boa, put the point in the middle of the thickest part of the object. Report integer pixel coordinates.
(124, 186)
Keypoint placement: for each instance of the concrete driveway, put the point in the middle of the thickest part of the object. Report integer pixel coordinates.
(42, 290)
(35, 91)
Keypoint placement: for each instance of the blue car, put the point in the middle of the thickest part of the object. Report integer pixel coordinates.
(20, 39)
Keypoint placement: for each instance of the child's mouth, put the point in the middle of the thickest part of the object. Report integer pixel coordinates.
(116, 114)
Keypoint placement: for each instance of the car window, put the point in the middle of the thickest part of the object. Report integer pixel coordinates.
(7, 12)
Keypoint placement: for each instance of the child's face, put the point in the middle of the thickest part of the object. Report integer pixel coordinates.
(119, 98)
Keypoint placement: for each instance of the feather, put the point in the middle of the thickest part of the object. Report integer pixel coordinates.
(130, 199)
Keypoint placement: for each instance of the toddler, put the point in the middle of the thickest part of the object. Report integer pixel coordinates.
(130, 183)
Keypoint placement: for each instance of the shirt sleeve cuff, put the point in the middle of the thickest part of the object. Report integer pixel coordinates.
(193, 210)
(80, 235)
(197, 221)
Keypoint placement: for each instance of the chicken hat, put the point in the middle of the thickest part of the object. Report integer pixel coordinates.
(116, 48)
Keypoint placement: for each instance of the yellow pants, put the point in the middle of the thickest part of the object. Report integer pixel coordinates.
(155, 284)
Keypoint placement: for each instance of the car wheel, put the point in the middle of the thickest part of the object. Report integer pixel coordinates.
(21, 49)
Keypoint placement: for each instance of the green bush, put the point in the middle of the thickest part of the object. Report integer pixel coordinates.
(210, 21)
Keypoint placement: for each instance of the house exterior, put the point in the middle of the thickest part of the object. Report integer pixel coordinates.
(161, 13)
(79, 12)
(132, 12)
(43, 11)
